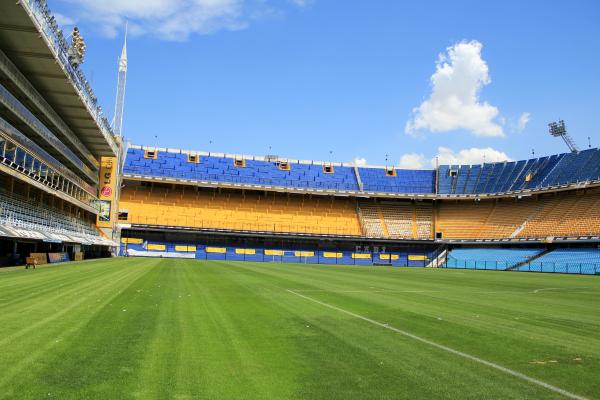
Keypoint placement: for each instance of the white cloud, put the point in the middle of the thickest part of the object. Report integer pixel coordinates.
(63, 20)
(359, 161)
(172, 19)
(448, 156)
(523, 120)
(454, 101)
(301, 3)
(412, 161)
(469, 156)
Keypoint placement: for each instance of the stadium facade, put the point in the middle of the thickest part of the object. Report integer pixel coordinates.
(71, 188)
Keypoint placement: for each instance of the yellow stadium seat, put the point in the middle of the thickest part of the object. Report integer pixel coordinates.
(250, 211)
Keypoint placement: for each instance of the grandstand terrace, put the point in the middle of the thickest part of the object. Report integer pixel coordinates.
(274, 173)
(188, 206)
(501, 179)
(550, 198)
(52, 137)
(553, 172)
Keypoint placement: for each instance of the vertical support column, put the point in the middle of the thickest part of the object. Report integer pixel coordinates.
(358, 179)
(414, 222)
(386, 232)
(434, 217)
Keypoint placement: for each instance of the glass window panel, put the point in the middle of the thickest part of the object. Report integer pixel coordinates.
(28, 162)
(55, 179)
(20, 157)
(35, 168)
(43, 171)
(10, 151)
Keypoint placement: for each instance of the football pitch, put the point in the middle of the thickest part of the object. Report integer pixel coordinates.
(185, 329)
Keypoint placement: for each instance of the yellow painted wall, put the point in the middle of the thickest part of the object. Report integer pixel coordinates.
(330, 254)
(304, 253)
(274, 252)
(216, 250)
(361, 256)
(189, 249)
(132, 241)
(245, 251)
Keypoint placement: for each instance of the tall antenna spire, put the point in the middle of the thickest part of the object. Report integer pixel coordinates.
(122, 78)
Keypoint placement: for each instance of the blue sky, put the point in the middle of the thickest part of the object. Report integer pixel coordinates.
(303, 78)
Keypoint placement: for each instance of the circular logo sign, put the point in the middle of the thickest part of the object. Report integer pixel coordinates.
(106, 191)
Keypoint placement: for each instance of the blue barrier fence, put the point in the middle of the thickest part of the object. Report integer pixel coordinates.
(551, 267)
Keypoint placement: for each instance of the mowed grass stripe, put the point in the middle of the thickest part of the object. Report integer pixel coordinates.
(47, 308)
(41, 335)
(25, 297)
(451, 302)
(499, 338)
(103, 358)
(447, 349)
(385, 364)
(194, 329)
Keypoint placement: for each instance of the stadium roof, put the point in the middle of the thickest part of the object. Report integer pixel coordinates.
(32, 40)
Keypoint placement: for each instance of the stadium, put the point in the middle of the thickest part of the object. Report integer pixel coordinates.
(140, 271)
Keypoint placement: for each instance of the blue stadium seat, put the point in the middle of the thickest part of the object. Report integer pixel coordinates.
(575, 261)
(499, 177)
(486, 258)
(559, 169)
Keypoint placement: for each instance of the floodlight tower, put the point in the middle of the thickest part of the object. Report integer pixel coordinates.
(120, 103)
(76, 52)
(558, 129)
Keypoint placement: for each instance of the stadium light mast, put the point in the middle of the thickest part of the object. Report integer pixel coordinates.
(558, 129)
(122, 77)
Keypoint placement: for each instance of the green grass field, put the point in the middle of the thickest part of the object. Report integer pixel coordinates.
(186, 329)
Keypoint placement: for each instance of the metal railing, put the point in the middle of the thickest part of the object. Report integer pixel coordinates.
(533, 266)
(198, 223)
(561, 267)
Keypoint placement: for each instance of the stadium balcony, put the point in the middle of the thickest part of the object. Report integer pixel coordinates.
(25, 218)
(24, 159)
(34, 59)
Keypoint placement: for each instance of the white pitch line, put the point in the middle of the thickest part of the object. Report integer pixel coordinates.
(364, 291)
(448, 349)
